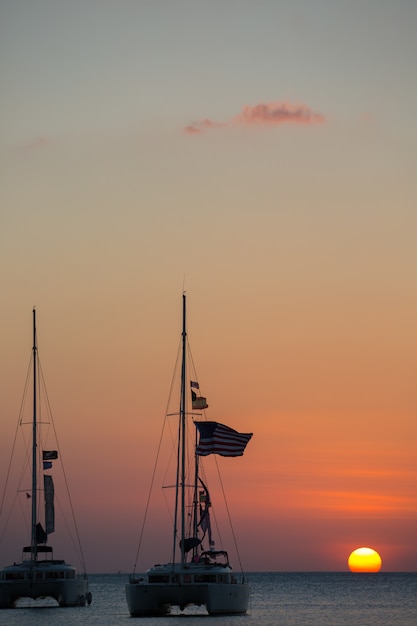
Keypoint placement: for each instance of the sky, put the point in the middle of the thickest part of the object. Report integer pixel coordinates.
(260, 157)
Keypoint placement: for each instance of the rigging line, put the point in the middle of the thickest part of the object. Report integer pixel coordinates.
(8, 470)
(19, 423)
(173, 437)
(191, 360)
(6, 525)
(25, 516)
(25, 389)
(154, 472)
(70, 533)
(230, 519)
(148, 499)
(42, 396)
(62, 464)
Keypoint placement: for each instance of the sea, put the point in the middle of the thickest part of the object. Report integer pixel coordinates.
(293, 599)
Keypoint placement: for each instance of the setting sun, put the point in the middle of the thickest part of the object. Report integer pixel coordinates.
(364, 560)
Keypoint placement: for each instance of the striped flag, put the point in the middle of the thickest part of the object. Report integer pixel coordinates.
(216, 438)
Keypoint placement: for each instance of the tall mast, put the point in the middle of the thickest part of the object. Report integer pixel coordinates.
(34, 547)
(182, 420)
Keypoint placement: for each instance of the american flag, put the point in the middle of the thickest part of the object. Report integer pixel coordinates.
(216, 438)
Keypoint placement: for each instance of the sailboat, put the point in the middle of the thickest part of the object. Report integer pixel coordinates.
(39, 575)
(198, 575)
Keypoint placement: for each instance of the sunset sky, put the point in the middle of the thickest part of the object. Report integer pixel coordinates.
(260, 156)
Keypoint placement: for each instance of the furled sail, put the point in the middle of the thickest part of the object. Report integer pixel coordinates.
(49, 504)
(204, 522)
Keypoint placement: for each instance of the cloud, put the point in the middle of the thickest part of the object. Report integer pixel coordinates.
(193, 129)
(201, 126)
(269, 114)
(279, 113)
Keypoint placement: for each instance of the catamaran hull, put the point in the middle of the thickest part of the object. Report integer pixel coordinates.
(144, 599)
(65, 592)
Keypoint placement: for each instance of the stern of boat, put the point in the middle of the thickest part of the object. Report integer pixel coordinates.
(230, 599)
(67, 593)
(145, 600)
(74, 593)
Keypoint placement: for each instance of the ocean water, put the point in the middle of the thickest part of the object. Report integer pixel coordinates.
(304, 599)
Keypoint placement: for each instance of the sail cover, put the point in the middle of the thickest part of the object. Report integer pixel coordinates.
(49, 504)
(190, 543)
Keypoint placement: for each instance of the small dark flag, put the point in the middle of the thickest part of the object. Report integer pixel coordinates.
(47, 465)
(28, 495)
(194, 384)
(49, 455)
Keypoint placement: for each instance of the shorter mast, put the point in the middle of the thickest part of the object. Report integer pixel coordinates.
(34, 545)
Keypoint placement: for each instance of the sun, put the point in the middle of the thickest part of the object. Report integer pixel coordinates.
(364, 560)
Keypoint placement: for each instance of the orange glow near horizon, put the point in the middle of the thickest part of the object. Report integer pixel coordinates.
(364, 560)
(285, 213)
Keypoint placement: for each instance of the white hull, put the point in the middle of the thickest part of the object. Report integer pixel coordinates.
(51, 580)
(214, 588)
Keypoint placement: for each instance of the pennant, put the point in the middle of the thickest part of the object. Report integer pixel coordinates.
(216, 438)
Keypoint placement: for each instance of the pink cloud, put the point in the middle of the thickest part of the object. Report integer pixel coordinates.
(193, 130)
(201, 126)
(279, 113)
(269, 114)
